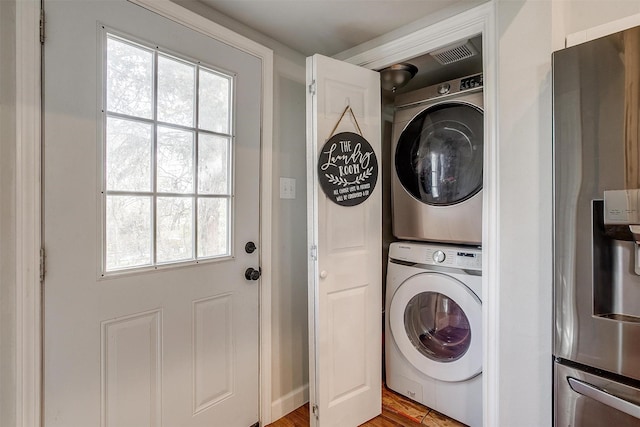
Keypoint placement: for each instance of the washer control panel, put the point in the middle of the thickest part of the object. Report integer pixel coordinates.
(463, 257)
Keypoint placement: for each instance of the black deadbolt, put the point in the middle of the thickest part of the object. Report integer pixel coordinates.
(251, 274)
(250, 247)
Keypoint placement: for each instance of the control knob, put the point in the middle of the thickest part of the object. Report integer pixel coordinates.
(439, 256)
(443, 89)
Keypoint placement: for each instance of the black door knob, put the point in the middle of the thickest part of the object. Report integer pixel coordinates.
(250, 247)
(252, 274)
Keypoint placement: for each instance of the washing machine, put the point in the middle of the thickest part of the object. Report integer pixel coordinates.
(437, 151)
(433, 327)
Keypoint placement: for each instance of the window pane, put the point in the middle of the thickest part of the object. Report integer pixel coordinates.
(213, 164)
(129, 148)
(175, 160)
(176, 91)
(174, 241)
(214, 108)
(213, 227)
(150, 154)
(129, 79)
(128, 229)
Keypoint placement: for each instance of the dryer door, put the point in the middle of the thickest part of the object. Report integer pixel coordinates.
(436, 322)
(438, 157)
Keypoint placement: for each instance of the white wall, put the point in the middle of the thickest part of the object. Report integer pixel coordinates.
(289, 297)
(7, 214)
(582, 14)
(524, 291)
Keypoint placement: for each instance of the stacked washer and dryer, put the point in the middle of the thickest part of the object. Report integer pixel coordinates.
(433, 311)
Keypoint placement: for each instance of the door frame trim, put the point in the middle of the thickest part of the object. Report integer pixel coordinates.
(29, 332)
(478, 20)
(28, 328)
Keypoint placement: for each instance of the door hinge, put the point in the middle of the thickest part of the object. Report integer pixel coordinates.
(42, 257)
(41, 26)
(316, 411)
(313, 253)
(312, 88)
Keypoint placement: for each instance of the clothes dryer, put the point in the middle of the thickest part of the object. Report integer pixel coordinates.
(437, 151)
(433, 327)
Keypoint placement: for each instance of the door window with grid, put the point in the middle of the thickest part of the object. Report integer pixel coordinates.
(167, 158)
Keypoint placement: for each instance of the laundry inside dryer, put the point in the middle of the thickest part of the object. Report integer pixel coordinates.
(437, 326)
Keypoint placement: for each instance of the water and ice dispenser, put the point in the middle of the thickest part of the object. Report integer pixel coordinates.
(616, 255)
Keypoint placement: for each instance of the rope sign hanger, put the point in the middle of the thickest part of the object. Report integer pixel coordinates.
(347, 108)
(347, 166)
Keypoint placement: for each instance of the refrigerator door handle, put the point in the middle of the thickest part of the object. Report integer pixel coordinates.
(604, 397)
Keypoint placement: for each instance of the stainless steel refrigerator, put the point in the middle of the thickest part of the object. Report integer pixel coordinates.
(596, 99)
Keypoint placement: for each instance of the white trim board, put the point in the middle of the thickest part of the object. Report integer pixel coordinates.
(443, 33)
(602, 30)
(28, 215)
(479, 20)
(290, 402)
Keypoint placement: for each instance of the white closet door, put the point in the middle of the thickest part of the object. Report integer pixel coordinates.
(345, 278)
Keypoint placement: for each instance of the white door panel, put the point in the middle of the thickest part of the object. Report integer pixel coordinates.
(345, 283)
(172, 347)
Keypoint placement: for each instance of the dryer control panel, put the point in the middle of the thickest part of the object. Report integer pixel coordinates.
(441, 91)
(463, 257)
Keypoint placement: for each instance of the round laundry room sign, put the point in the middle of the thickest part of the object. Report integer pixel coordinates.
(347, 169)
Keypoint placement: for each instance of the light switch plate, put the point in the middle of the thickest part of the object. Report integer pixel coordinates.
(287, 188)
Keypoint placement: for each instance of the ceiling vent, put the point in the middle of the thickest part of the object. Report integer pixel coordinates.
(454, 52)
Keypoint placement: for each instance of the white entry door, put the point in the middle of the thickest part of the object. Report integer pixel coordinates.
(151, 192)
(345, 271)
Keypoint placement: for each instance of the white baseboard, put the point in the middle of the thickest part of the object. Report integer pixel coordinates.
(289, 402)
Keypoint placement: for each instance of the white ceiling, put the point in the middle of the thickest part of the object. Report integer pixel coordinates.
(329, 26)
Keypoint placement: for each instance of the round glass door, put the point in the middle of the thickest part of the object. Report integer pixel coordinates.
(439, 154)
(436, 323)
(437, 327)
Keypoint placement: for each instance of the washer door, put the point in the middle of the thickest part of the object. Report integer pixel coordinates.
(436, 322)
(438, 157)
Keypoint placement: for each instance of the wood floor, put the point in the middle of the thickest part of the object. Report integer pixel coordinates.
(397, 411)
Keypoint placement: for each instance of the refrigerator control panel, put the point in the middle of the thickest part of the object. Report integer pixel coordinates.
(621, 207)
